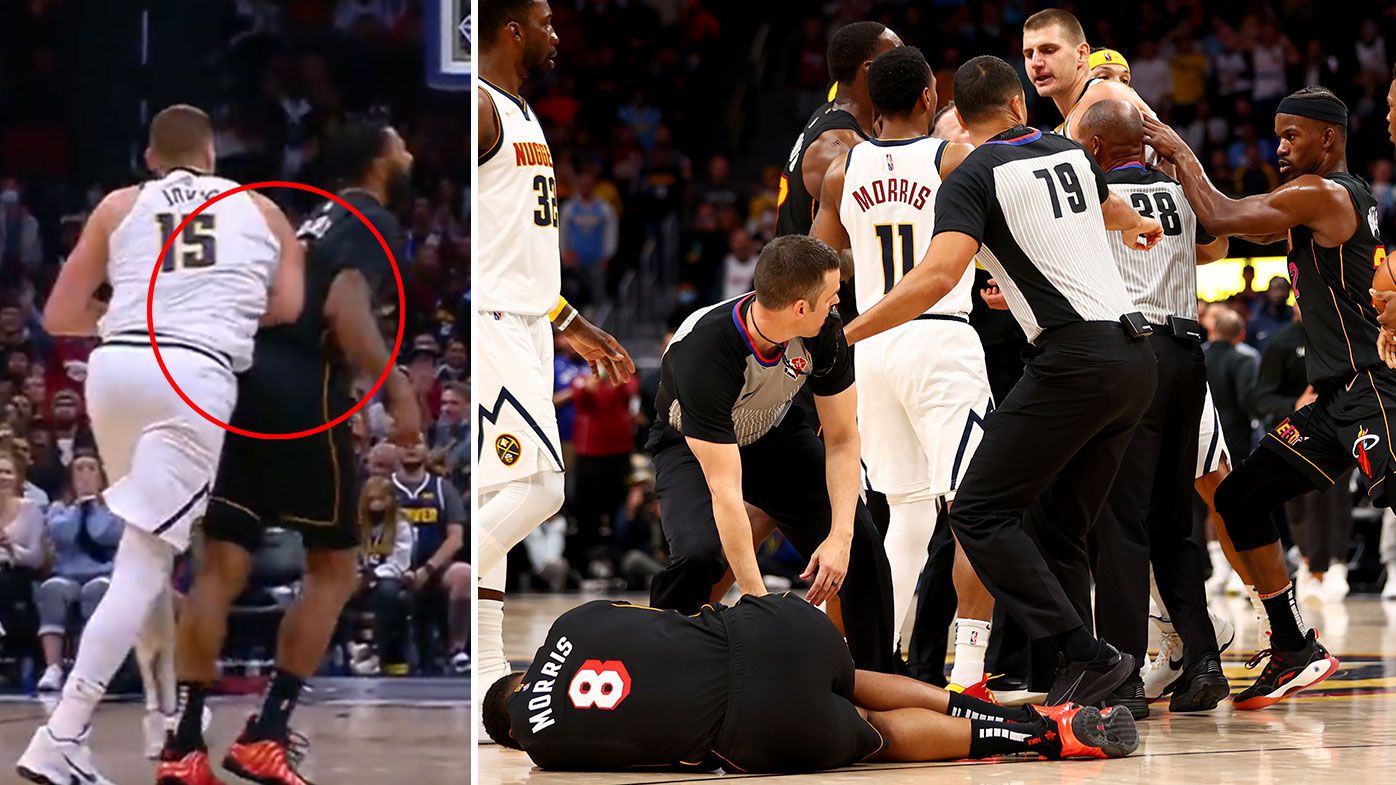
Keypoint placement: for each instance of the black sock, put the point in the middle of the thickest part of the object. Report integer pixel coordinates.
(988, 737)
(1079, 645)
(189, 733)
(964, 706)
(281, 699)
(1287, 627)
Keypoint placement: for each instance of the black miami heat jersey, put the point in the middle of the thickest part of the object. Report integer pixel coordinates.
(795, 205)
(1331, 284)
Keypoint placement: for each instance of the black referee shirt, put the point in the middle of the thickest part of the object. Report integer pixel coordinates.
(716, 386)
(1033, 200)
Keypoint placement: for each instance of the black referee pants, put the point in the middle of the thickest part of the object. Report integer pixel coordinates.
(783, 475)
(1048, 459)
(1148, 518)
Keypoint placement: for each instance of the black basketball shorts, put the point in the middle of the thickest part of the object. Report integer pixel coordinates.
(308, 484)
(790, 707)
(1350, 424)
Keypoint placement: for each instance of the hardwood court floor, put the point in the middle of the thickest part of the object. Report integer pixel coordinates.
(363, 739)
(1343, 733)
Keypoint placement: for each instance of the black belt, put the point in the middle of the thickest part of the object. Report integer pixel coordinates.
(942, 317)
(141, 339)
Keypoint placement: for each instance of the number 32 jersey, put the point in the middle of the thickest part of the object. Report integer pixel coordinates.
(888, 208)
(212, 286)
(518, 262)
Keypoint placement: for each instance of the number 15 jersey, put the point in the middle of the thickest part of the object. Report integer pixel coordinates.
(888, 209)
(518, 261)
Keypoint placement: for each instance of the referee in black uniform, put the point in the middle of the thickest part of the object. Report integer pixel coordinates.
(1148, 518)
(725, 432)
(1037, 210)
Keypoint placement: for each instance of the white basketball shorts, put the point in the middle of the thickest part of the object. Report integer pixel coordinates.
(160, 455)
(513, 388)
(1211, 444)
(923, 394)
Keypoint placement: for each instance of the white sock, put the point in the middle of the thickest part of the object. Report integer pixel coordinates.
(155, 656)
(489, 661)
(1162, 620)
(971, 642)
(507, 515)
(911, 522)
(140, 572)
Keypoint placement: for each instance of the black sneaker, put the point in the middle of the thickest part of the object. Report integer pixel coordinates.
(1286, 673)
(1089, 683)
(1201, 686)
(1130, 696)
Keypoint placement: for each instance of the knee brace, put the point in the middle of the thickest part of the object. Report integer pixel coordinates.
(1245, 512)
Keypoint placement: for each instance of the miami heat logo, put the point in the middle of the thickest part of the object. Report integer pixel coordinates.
(508, 449)
(1294, 278)
(1364, 442)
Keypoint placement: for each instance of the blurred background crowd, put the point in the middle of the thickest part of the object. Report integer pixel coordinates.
(278, 78)
(670, 121)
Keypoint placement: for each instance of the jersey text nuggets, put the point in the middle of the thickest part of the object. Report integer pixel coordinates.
(532, 154)
(893, 189)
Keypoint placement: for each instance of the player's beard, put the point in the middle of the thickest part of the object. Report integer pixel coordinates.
(399, 189)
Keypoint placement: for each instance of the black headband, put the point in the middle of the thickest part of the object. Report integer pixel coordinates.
(1321, 109)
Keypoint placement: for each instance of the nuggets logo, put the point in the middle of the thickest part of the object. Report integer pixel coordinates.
(508, 449)
(1287, 433)
(1364, 442)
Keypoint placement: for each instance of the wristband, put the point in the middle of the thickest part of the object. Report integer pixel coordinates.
(563, 327)
(557, 309)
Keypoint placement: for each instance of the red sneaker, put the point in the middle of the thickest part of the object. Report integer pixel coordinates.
(1086, 732)
(191, 769)
(978, 690)
(267, 761)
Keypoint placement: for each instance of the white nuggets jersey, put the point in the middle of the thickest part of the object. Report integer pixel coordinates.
(213, 283)
(518, 261)
(888, 208)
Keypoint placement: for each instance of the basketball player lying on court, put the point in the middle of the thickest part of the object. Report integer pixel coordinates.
(619, 686)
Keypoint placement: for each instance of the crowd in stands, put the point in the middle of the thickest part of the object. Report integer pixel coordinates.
(295, 72)
(670, 121)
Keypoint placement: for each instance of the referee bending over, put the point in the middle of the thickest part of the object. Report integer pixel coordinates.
(725, 432)
(1037, 209)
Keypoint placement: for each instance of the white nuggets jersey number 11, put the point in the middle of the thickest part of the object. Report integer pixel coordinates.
(518, 261)
(213, 282)
(888, 208)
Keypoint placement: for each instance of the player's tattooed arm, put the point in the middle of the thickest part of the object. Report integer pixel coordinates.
(828, 224)
(286, 297)
(73, 307)
(352, 325)
(722, 468)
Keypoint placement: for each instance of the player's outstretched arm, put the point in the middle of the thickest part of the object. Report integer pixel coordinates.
(286, 298)
(71, 308)
(722, 468)
(349, 316)
(838, 417)
(828, 224)
(1120, 217)
(950, 253)
(1210, 252)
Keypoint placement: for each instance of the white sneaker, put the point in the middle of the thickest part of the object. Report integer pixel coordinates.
(1225, 630)
(1388, 591)
(51, 761)
(1335, 583)
(369, 666)
(52, 680)
(460, 662)
(1307, 588)
(1160, 673)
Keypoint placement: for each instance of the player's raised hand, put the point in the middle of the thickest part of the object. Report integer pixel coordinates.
(1165, 141)
(600, 350)
(1144, 236)
(827, 568)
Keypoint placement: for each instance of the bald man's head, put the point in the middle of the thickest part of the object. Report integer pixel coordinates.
(1113, 130)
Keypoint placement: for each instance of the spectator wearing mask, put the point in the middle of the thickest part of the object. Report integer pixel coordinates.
(1272, 314)
(604, 435)
(20, 245)
(84, 535)
(739, 267)
(590, 233)
(385, 556)
(437, 576)
(22, 553)
(1231, 375)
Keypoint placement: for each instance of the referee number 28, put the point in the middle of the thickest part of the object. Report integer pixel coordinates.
(891, 271)
(1167, 210)
(546, 188)
(197, 245)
